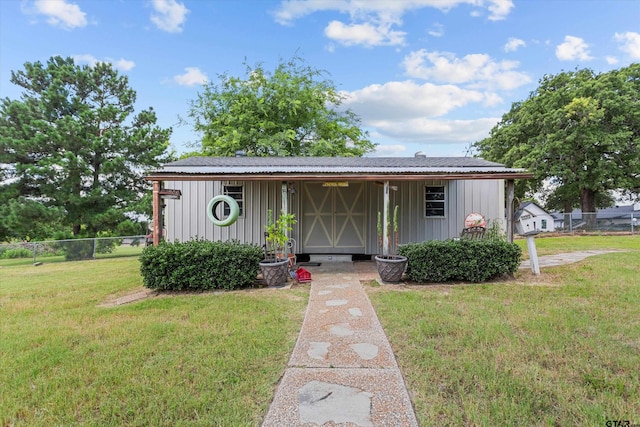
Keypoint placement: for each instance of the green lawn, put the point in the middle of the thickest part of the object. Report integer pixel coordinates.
(559, 349)
(571, 243)
(196, 359)
(117, 252)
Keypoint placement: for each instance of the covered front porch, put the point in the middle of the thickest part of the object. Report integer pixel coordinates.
(336, 200)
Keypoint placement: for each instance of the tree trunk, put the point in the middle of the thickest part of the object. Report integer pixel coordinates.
(76, 229)
(588, 206)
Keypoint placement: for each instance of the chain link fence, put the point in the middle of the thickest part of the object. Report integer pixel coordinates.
(71, 250)
(596, 222)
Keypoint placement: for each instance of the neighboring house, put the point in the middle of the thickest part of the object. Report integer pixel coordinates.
(617, 217)
(336, 200)
(536, 218)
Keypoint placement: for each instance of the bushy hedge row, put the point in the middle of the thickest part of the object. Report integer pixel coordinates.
(460, 260)
(15, 253)
(200, 265)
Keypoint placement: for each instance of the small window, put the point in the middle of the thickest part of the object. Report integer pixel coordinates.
(435, 200)
(543, 224)
(235, 191)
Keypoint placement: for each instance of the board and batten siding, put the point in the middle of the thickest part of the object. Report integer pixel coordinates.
(462, 198)
(186, 218)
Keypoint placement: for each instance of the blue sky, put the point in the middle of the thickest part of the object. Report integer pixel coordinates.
(423, 75)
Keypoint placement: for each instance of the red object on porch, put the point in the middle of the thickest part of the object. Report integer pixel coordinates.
(303, 275)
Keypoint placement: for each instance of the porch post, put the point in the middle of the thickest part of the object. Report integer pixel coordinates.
(510, 210)
(385, 221)
(285, 201)
(157, 213)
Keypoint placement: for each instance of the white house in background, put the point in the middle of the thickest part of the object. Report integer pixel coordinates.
(535, 218)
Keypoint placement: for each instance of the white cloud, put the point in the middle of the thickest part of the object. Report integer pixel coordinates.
(398, 100)
(375, 22)
(120, 64)
(573, 48)
(85, 58)
(390, 150)
(61, 14)
(290, 10)
(514, 44)
(124, 64)
(435, 131)
(436, 30)
(476, 70)
(630, 43)
(365, 34)
(611, 60)
(499, 9)
(192, 77)
(169, 15)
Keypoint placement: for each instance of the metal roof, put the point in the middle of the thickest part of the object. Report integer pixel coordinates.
(327, 166)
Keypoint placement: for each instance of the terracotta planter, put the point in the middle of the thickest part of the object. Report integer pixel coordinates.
(391, 267)
(275, 273)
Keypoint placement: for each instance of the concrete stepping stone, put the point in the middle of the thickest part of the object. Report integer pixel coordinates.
(355, 311)
(365, 350)
(336, 302)
(318, 350)
(321, 402)
(341, 330)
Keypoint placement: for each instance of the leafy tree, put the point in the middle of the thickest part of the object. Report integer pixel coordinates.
(292, 111)
(580, 130)
(26, 219)
(71, 142)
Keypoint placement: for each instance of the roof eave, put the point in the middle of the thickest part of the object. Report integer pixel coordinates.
(173, 176)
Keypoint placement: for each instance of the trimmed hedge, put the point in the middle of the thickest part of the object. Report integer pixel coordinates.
(460, 260)
(200, 265)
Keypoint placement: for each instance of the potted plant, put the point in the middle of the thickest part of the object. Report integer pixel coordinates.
(391, 266)
(274, 267)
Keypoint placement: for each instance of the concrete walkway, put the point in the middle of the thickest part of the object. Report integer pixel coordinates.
(342, 370)
(566, 258)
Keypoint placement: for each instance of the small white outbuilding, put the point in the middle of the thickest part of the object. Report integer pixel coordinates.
(530, 217)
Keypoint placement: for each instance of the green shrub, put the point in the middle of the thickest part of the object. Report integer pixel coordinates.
(460, 260)
(200, 265)
(17, 253)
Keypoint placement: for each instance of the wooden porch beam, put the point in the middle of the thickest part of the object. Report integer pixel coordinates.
(510, 209)
(157, 213)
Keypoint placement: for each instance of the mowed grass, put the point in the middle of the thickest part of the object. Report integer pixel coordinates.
(546, 245)
(117, 252)
(184, 359)
(559, 349)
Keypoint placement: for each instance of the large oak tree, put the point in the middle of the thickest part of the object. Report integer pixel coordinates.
(579, 130)
(73, 143)
(292, 111)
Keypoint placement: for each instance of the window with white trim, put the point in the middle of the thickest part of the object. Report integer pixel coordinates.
(435, 201)
(237, 193)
